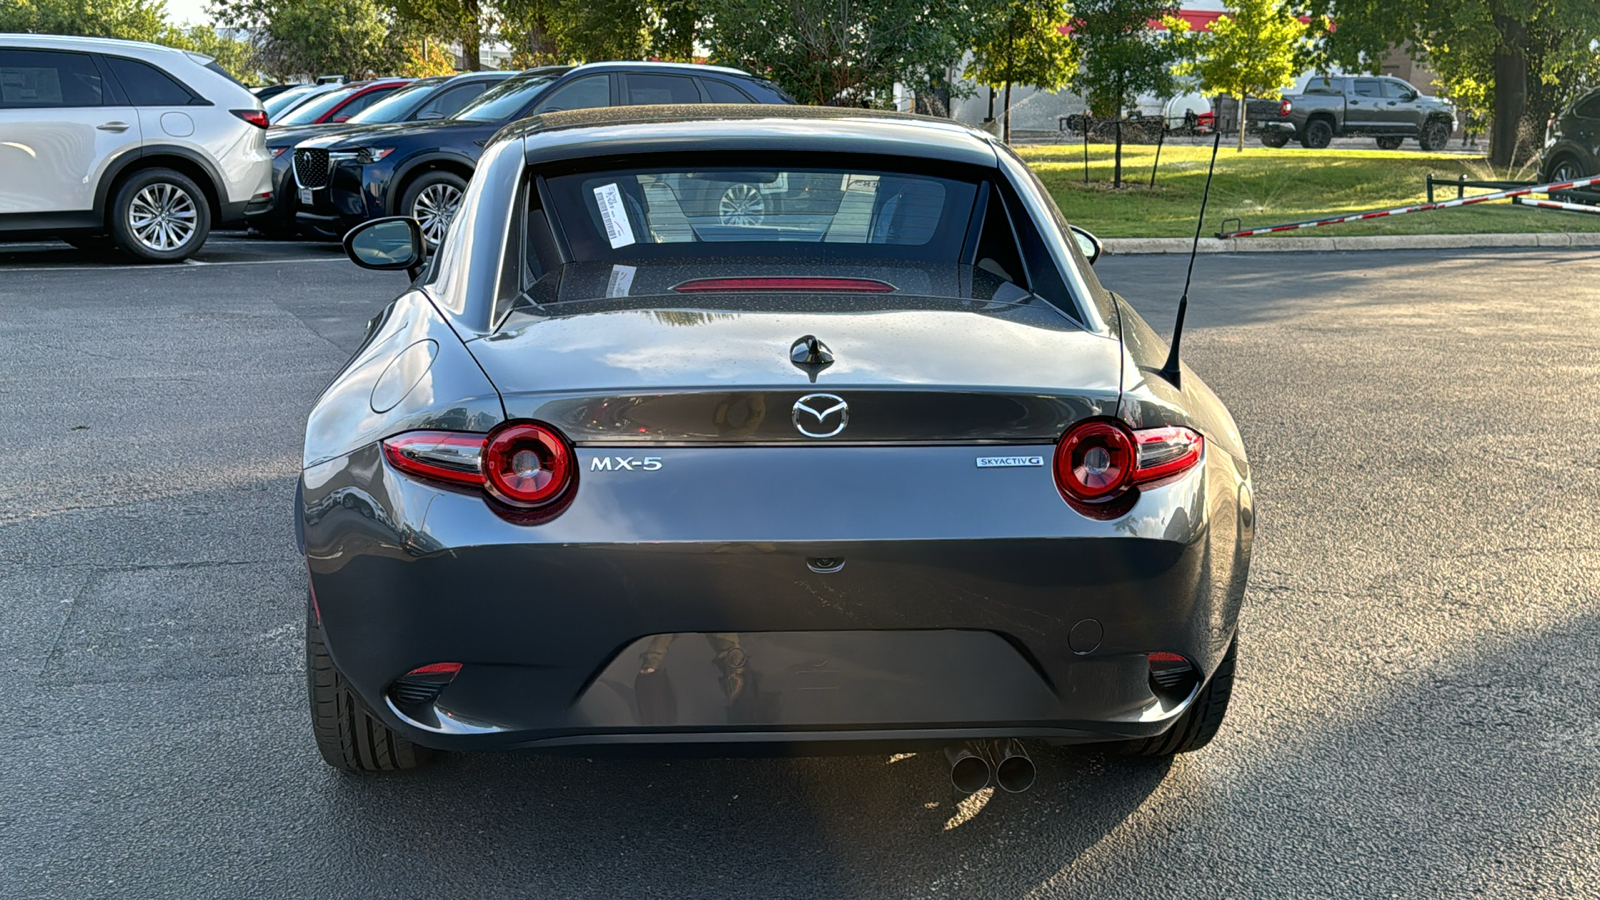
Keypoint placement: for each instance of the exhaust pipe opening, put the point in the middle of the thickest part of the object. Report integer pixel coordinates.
(969, 768)
(1014, 771)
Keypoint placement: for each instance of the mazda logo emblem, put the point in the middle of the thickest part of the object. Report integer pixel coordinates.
(820, 415)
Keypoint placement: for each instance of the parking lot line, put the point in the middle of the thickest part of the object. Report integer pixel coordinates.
(187, 262)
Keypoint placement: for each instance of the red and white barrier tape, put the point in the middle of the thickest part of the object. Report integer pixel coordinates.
(1557, 204)
(1423, 207)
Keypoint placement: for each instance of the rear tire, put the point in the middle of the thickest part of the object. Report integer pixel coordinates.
(1390, 143)
(1274, 139)
(160, 215)
(1201, 721)
(1435, 135)
(1318, 135)
(348, 735)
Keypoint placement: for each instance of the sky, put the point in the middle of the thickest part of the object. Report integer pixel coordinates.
(192, 11)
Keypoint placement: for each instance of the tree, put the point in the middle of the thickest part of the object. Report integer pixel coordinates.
(1025, 45)
(1532, 53)
(1124, 56)
(1253, 50)
(125, 19)
(317, 37)
(844, 52)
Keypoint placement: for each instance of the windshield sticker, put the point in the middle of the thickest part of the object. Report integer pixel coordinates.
(621, 281)
(614, 215)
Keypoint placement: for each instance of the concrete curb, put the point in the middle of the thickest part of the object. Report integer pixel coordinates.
(1130, 246)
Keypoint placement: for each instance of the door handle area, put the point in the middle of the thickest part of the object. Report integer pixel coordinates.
(117, 127)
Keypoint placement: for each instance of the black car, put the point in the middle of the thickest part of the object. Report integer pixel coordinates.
(421, 169)
(1572, 143)
(425, 99)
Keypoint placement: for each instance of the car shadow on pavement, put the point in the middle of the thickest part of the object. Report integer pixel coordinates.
(815, 827)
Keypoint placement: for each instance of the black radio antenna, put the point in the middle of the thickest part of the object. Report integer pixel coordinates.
(1172, 371)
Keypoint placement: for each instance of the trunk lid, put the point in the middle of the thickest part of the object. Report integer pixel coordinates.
(670, 370)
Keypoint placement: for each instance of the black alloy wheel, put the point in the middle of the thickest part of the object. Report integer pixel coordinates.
(1319, 134)
(1435, 135)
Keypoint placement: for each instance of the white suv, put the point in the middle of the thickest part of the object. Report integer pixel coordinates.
(145, 145)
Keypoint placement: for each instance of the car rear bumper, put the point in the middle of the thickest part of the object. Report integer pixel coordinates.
(1281, 126)
(567, 640)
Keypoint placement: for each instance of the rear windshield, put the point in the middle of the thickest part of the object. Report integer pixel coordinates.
(1324, 86)
(675, 213)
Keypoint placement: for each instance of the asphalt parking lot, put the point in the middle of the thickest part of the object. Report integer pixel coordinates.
(1418, 710)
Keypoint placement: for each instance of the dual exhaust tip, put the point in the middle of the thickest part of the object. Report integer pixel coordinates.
(974, 765)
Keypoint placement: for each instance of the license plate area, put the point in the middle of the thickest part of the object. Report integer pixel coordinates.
(305, 196)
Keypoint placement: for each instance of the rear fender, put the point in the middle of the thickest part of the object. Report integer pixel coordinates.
(412, 372)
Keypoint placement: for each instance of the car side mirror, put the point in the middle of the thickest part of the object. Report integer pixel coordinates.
(388, 244)
(1087, 243)
(1410, 96)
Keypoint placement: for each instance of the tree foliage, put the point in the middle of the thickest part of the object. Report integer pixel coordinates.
(1123, 56)
(844, 52)
(317, 37)
(1522, 58)
(1024, 44)
(1254, 50)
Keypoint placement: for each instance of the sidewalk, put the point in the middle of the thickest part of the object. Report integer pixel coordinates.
(1130, 246)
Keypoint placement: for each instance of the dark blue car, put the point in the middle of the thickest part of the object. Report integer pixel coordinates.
(423, 100)
(420, 169)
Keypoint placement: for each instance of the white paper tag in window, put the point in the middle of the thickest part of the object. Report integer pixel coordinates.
(614, 215)
(621, 281)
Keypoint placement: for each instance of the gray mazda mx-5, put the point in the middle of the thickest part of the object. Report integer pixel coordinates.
(736, 425)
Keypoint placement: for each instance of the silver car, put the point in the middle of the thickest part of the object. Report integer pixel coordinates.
(123, 143)
(882, 465)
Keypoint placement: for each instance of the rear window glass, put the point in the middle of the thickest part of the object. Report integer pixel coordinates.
(147, 85)
(1324, 86)
(661, 213)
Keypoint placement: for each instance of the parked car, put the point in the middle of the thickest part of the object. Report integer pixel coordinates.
(267, 92)
(421, 169)
(124, 143)
(338, 106)
(423, 100)
(890, 468)
(1572, 142)
(1384, 108)
(280, 105)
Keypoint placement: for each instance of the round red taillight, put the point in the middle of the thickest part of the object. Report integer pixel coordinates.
(527, 465)
(1095, 461)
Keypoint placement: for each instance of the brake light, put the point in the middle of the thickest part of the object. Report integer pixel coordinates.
(1099, 459)
(1095, 460)
(527, 465)
(1285, 107)
(256, 117)
(524, 464)
(781, 283)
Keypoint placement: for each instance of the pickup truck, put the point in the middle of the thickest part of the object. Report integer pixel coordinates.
(1372, 106)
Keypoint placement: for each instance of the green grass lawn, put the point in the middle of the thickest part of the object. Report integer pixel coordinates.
(1261, 186)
